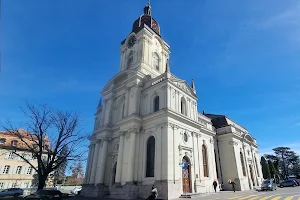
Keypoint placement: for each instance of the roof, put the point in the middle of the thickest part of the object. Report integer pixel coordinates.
(145, 19)
(220, 121)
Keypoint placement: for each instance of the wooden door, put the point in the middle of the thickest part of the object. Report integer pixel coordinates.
(186, 182)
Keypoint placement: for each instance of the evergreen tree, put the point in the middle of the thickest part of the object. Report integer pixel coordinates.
(59, 174)
(265, 168)
(272, 168)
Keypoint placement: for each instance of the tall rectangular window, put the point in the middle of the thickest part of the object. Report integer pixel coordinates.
(19, 169)
(6, 169)
(29, 171)
(1, 185)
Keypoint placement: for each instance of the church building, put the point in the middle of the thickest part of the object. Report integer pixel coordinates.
(148, 130)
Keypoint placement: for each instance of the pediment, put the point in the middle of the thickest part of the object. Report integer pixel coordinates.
(118, 80)
(184, 86)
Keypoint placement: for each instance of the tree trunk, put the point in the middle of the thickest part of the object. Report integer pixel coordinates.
(42, 181)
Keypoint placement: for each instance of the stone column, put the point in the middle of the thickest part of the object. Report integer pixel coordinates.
(247, 168)
(120, 158)
(101, 161)
(88, 165)
(131, 155)
(94, 163)
(254, 166)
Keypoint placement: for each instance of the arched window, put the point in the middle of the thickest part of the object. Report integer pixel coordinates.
(156, 104)
(130, 59)
(243, 163)
(150, 157)
(183, 106)
(155, 61)
(205, 164)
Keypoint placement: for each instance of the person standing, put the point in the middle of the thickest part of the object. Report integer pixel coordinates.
(215, 184)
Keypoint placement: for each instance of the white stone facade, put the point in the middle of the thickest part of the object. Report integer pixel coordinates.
(148, 123)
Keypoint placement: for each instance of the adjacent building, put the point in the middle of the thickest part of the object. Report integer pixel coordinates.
(14, 172)
(148, 130)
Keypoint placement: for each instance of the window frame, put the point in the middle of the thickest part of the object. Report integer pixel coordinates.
(150, 164)
(6, 169)
(14, 143)
(19, 170)
(156, 106)
(29, 170)
(155, 64)
(2, 140)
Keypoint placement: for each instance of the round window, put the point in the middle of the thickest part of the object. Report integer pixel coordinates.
(185, 137)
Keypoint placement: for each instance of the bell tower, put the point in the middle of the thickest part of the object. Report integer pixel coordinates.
(144, 50)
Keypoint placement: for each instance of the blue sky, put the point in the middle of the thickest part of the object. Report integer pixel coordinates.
(243, 55)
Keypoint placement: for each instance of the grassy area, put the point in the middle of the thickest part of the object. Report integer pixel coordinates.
(11, 198)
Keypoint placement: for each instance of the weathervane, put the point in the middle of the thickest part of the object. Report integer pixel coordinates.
(148, 4)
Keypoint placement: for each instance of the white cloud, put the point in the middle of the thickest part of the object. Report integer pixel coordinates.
(287, 23)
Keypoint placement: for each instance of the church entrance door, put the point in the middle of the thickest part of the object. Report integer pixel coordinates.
(186, 175)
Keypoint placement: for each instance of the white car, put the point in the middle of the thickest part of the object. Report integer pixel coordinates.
(76, 190)
(11, 192)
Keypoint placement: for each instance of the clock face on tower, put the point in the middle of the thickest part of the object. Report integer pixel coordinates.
(131, 42)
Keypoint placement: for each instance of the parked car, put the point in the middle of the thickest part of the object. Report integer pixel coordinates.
(15, 192)
(288, 183)
(268, 185)
(76, 190)
(45, 195)
(297, 181)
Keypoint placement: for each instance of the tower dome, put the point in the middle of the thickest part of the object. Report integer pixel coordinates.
(147, 19)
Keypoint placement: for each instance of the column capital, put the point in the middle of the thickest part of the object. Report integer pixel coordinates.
(105, 139)
(133, 130)
(95, 141)
(122, 133)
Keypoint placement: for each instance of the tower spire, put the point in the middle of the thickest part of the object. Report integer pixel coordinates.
(147, 9)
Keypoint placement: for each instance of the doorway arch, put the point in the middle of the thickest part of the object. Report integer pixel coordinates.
(186, 175)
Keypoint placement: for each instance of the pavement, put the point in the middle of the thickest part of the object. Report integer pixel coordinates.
(292, 193)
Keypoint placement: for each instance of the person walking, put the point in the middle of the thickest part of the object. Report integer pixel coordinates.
(233, 185)
(215, 184)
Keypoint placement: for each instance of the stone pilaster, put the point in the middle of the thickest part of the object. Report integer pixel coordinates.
(101, 161)
(88, 165)
(131, 155)
(120, 159)
(127, 101)
(94, 163)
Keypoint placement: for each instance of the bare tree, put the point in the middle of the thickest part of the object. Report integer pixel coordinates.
(47, 134)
